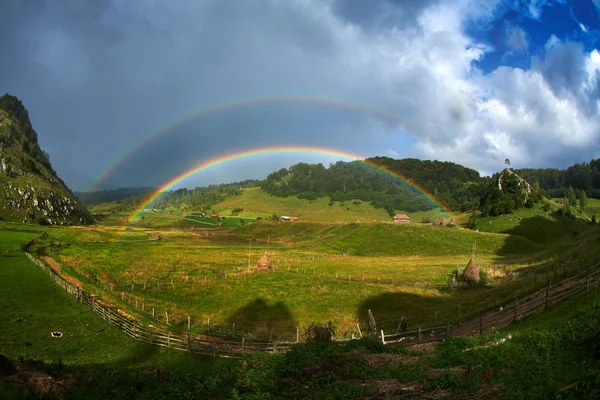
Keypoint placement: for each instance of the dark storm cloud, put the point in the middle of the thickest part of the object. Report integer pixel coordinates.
(100, 76)
(381, 13)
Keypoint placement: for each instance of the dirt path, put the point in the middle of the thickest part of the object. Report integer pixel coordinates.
(56, 268)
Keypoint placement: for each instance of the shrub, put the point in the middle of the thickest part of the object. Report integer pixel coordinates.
(319, 333)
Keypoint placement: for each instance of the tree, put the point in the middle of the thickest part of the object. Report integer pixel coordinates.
(507, 162)
(571, 199)
(582, 201)
(472, 224)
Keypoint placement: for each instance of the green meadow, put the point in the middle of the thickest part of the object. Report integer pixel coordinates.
(321, 272)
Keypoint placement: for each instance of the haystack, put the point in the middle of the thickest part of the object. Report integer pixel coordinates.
(264, 264)
(471, 272)
(155, 237)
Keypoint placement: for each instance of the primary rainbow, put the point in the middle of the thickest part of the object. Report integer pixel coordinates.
(284, 149)
(336, 102)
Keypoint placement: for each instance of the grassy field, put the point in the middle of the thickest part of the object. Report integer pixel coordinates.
(275, 303)
(534, 224)
(322, 272)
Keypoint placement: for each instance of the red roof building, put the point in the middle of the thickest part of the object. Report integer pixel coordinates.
(401, 218)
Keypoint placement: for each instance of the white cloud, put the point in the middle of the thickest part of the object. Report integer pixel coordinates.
(516, 38)
(583, 28)
(165, 61)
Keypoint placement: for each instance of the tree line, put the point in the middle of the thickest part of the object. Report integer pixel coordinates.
(456, 186)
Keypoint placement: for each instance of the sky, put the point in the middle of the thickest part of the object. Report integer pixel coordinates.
(473, 82)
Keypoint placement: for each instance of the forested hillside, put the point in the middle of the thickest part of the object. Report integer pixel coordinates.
(556, 182)
(106, 196)
(455, 185)
(199, 199)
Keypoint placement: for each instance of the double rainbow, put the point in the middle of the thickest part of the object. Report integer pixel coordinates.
(285, 149)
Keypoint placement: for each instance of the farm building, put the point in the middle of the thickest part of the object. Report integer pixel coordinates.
(285, 218)
(401, 218)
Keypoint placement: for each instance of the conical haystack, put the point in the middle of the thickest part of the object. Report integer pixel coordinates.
(155, 237)
(264, 263)
(471, 272)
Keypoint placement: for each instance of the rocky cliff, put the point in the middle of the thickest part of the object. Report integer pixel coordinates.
(30, 190)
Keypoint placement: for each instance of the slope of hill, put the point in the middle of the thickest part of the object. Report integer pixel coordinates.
(257, 203)
(455, 185)
(106, 196)
(30, 190)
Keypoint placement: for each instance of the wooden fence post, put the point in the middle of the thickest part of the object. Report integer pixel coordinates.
(243, 345)
(297, 335)
(373, 324)
(587, 280)
(400, 324)
(167, 316)
(233, 328)
(153, 313)
(419, 335)
(359, 331)
(168, 339)
(275, 347)
(189, 322)
(382, 337)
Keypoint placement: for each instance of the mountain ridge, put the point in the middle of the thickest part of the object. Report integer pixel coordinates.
(31, 190)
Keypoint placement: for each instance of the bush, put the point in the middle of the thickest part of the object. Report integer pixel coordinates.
(319, 333)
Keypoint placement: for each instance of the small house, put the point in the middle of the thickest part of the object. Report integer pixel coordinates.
(401, 219)
(285, 218)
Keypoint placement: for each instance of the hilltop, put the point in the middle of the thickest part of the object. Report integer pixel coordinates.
(31, 191)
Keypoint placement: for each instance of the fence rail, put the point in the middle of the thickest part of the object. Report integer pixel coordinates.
(505, 314)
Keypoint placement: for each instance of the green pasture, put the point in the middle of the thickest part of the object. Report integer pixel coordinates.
(32, 306)
(533, 224)
(213, 276)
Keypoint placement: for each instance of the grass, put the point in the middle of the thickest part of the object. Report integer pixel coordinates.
(32, 306)
(548, 351)
(533, 224)
(257, 203)
(213, 277)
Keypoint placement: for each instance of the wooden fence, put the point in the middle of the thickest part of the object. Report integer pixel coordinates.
(159, 336)
(507, 313)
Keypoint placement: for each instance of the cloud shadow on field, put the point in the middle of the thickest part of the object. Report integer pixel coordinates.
(258, 318)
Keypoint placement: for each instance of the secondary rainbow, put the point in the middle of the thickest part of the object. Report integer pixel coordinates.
(307, 99)
(278, 150)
